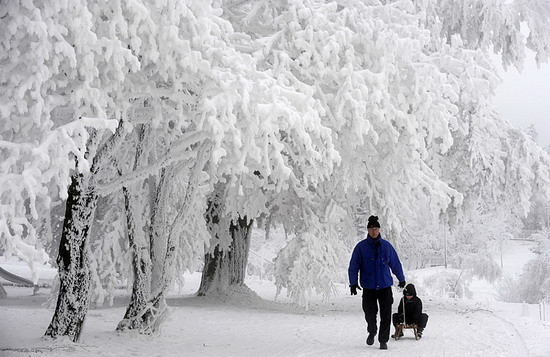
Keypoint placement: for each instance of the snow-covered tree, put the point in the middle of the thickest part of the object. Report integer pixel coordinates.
(533, 285)
(308, 112)
(481, 159)
(51, 66)
(406, 89)
(312, 260)
(40, 142)
(281, 147)
(481, 149)
(377, 90)
(109, 260)
(490, 25)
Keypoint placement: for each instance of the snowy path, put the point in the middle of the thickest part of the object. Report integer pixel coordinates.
(250, 328)
(479, 332)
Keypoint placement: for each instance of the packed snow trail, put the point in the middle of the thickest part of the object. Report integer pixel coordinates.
(247, 326)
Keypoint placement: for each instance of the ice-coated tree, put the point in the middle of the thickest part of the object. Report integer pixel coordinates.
(493, 25)
(313, 259)
(191, 81)
(244, 112)
(109, 258)
(281, 147)
(50, 76)
(474, 28)
(480, 160)
(252, 124)
(118, 54)
(405, 88)
(39, 141)
(533, 285)
(90, 60)
(379, 93)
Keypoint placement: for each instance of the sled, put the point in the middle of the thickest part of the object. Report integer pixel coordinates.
(15, 279)
(399, 329)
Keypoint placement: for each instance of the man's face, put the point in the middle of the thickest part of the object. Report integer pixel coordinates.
(373, 232)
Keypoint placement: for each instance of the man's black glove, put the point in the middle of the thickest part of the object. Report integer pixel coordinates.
(402, 284)
(353, 289)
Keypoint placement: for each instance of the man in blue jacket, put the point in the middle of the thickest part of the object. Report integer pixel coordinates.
(372, 259)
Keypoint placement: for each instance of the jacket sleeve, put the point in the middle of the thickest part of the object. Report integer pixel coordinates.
(354, 266)
(395, 265)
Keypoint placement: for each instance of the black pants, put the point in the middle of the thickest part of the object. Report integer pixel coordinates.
(421, 323)
(371, 300)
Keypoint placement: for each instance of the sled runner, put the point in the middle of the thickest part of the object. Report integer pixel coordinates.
(401, 327)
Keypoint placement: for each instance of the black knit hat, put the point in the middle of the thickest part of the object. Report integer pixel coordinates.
(373, 222)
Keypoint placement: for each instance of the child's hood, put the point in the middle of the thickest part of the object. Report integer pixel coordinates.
(409, 290)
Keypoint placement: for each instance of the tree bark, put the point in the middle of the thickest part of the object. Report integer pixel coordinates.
(73, 262)
(158, 236)
(145, 311)
(73, 258)
(134, 318)
(225, 269)
(153, 258)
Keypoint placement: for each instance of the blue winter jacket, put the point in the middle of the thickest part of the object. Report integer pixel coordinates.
(373, 259)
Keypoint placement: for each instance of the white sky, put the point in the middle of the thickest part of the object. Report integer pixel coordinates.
(524, 99)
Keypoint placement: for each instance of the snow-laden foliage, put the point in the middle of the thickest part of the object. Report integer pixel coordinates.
(202, 90)
(390, 107)
(264, 245)
(372, 96)
(483, 156)
(453, 283)
(483, 266)
(527, 171)
(110, 261)
(312, 260)
(183, 221)
(422, 244)
(308, 113)
(490, 25)
(308, 263)
(533, 284)
(47, 82)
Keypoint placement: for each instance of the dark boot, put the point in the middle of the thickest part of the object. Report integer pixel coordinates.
(370, 339)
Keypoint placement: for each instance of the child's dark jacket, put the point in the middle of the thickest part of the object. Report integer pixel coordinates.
(413, 307)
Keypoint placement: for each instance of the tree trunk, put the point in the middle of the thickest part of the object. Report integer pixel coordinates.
(240, 246)
(137, 316)
(153, 258)
(146, 309)
(225, 269)
(73, 257)
(73, 262)
(158, 235)
(134, 318)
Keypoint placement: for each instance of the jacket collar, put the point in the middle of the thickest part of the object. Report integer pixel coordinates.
(373, 240)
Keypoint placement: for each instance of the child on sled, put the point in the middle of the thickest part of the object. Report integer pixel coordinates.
(411, 314)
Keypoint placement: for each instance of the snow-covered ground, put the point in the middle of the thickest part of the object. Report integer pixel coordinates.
(262, 326)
